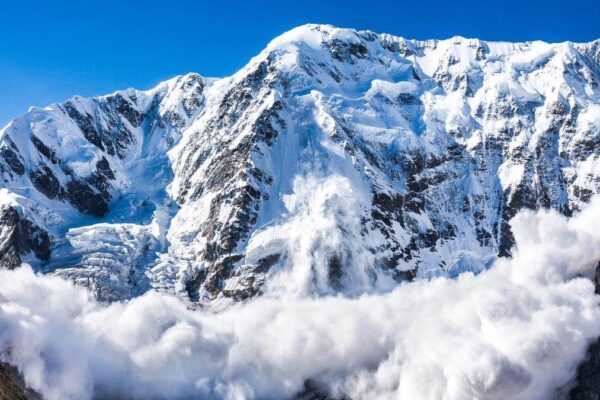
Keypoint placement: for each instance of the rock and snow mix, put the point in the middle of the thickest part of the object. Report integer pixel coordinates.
(333, 169)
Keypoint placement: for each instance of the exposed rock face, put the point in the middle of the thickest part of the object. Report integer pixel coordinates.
(588, 372)
(190, 187)
(19, 237)
(312, 391)
(12, 386)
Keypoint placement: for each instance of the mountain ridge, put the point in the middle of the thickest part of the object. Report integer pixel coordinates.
(193, 186)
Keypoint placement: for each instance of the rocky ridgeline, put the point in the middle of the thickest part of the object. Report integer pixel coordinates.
(181, 188)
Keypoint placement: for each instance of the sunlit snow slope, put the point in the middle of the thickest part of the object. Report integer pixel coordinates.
(335, 160)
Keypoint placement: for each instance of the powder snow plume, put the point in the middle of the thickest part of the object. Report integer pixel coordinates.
(517, 330)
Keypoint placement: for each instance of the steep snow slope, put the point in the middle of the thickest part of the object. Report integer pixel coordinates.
(92, 174)
(336, 160)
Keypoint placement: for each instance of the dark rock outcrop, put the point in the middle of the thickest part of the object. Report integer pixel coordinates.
(313, 391)
(18, 237)
(588, 372)
(12, 386)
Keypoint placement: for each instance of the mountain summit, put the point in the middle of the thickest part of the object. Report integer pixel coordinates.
(335, 161)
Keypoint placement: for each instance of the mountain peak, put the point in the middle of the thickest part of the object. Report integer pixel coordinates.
(311, 35)
(200, 176)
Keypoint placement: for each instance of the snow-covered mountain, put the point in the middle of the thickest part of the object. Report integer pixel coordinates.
(335, 161)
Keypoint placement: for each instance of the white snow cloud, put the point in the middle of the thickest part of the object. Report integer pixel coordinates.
(515, 331)
(323, 226)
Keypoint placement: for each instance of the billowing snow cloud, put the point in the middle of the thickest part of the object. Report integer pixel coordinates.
(323, 226)
(515, 331)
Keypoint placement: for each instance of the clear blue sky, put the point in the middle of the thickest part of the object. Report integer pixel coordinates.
(52, 50)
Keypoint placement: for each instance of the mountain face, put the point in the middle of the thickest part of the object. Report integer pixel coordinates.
(334, 161)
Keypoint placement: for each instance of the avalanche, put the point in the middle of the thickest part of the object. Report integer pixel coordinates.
(335, 214)
(515, 331)
(186, 188)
